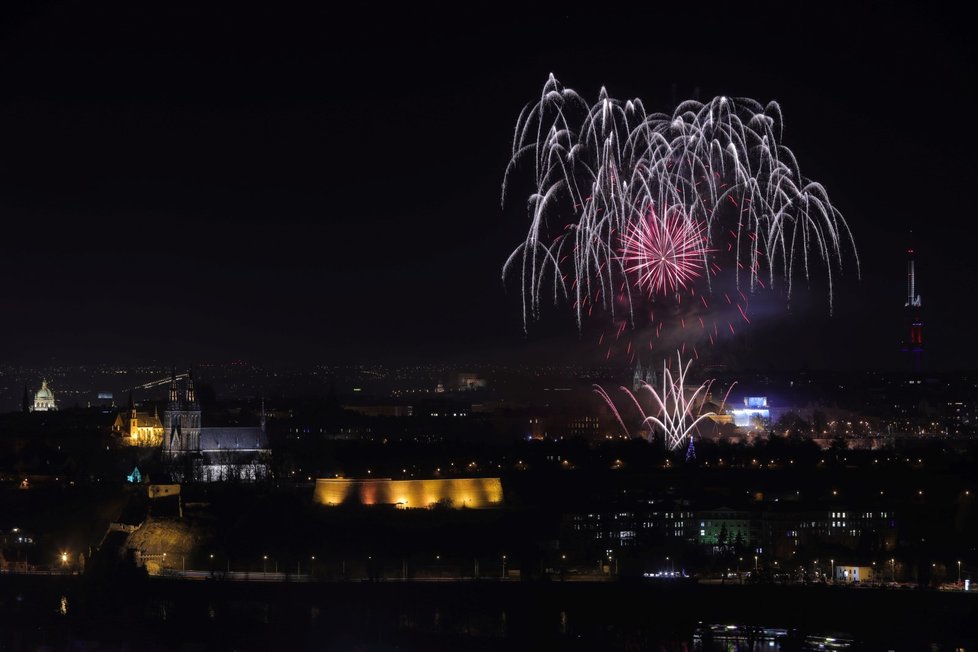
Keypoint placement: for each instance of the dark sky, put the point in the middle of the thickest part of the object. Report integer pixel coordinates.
(254, 182)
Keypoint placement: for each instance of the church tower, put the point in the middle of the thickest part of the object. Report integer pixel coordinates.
(191, 422)
(642, 376)
(172, 438)
(133, 418)
(181, 419)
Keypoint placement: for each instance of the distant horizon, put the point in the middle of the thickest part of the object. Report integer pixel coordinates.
(454, 364)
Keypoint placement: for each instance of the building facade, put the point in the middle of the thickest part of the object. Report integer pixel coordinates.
(455, 493)
(212, 454)
(181, 421)
(44, 399)
(632, 525)
(139, 428)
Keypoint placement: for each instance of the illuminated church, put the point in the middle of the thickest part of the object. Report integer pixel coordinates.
(44, 399)
(139, 428)
(643, 376)
(210, 454)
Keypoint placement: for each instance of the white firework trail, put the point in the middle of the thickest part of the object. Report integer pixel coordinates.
(600, 168)
(676, 412)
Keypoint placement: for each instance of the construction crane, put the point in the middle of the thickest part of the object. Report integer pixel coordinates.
(158, 382)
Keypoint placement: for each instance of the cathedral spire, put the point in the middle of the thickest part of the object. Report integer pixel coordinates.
(191, 393)
(174, 393)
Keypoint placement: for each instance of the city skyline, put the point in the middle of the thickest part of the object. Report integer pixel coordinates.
(569, 327)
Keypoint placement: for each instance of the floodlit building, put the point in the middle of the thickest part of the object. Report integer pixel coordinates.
(642, 376)
(181, 421)
(852, 574)
(44, 399)
(239, 453)
(210, 454)
(456, 493)
(755, 411)
(138, 428)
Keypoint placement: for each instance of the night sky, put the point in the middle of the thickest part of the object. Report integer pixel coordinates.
(259, 183)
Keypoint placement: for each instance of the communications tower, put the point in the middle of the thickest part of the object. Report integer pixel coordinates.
(914, 345)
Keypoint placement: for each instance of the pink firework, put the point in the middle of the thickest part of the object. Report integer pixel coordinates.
(665, 253)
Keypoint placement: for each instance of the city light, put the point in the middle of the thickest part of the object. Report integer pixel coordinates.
(371, 247)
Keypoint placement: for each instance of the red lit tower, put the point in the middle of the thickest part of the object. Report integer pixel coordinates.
(915, 343)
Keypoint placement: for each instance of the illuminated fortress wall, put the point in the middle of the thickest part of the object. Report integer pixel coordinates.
(472, 493)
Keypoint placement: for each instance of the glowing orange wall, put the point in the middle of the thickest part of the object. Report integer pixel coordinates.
(473, 493)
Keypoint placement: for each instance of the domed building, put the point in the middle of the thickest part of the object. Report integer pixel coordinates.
(44, 399)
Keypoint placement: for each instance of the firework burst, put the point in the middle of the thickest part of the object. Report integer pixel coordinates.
(676, 409)
(664, 254)
(731, 187)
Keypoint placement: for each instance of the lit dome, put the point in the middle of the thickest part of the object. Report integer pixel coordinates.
(44, 392)
(44, 399)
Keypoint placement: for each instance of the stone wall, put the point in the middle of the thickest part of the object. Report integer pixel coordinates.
(471, 493)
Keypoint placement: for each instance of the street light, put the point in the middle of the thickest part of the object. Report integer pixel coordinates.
(504, 567)
(832, 561)
(755, 563)
(959, 571)
(893, 570)
(264, 564)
